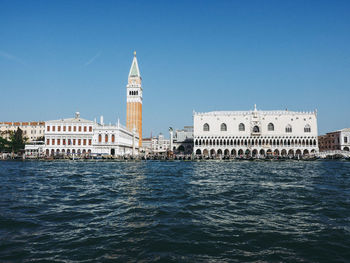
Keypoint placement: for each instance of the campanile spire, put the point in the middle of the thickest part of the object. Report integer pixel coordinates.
(134, 99)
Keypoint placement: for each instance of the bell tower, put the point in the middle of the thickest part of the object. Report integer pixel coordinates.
(134, 100)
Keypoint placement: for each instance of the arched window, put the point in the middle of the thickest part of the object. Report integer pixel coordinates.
(241, 127)
(206, 127)
(99, 138)
(223, 127)
(256, 129)
(106, 138)
(307, 128)
(289, 128)
(270, 127)
(113, 138)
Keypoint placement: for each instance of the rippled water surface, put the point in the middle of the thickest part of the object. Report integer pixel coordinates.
(244, 211)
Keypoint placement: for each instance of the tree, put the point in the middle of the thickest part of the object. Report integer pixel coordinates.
(17, 141)
(4, 145)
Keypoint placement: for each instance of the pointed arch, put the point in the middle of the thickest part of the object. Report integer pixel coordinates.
(223, 127)
(270, 127)
(241, 127)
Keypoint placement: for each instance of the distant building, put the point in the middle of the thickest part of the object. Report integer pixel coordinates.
(156, 145)
(80, 136)
(32, 130)
(255, 133)
(183, 140)
(34, 149)
(337, 140)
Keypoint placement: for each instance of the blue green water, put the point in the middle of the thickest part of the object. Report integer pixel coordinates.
(215, 211)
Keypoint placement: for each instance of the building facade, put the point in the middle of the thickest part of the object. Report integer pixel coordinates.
(157, 145)
(33, 131)
(337, 140)
(255, 133)
(115, 140)
(69, 136)
(134, 100)
(183, 141)
(77, 136)
(34, 149)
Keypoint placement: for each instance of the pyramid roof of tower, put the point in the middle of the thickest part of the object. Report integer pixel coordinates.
(134, 69)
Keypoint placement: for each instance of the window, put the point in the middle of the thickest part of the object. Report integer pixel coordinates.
(256, 129)
(69, 128)
(307, 128)
(270, 127)
(64, 128)
(288, 128)
(79, 141)
(241, 127)
(64, 141)
(90, 129)
(113, 138)
(206, 127)
(84, 142)
(84, 128)
(99, 138)
(73, 141)
(58, 141)
(223, 127)
(80, 128)
(59, 128)
(106, 138)
(89, 141)
(48, 128)
(53, 142)
(48, 141)
(345, 139)
(53, 128)
(75, 128)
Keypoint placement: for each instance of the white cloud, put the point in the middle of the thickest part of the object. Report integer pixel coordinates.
(11, 57)
(93, 58)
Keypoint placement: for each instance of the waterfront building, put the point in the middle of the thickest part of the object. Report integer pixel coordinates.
(34, 149)
(157, 145)
(336, 140)
(255, 133)
(80, 136)
(31, 130)
(183, 140)
(134, 100)
(115, 140)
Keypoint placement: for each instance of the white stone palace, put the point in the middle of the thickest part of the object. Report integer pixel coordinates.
(255, 133)
(76, 136)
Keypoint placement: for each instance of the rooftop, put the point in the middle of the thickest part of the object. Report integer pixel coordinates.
(271, 112)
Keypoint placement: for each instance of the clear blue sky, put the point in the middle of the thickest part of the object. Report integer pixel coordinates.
(58, 57)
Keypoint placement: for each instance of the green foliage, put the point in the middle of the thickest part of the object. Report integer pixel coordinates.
(15, 144)
(17, 141)
(5, 145)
